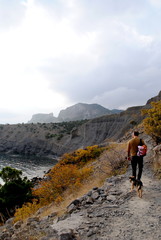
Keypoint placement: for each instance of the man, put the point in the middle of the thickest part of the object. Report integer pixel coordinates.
(132, 155)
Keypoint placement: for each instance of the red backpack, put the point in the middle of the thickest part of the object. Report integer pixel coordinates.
(142, 149)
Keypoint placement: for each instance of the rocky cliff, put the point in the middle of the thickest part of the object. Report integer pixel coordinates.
(43, 118)
(76, 112)
(58, 138)
(83, 111)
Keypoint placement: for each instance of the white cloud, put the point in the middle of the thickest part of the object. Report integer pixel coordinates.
(28, 47)
(131, 34)
(30, 95)
(156, 3)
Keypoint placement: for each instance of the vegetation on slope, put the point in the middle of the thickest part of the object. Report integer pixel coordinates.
(78, 170)
(152, 122)
(41, 139)
(152, 126)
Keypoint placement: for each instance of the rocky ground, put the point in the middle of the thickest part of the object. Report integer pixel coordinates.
(108, 213)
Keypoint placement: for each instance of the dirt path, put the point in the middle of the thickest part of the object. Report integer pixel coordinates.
(122, 215)
(141, 217)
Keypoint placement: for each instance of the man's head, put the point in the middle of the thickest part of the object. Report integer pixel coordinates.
(135, 134)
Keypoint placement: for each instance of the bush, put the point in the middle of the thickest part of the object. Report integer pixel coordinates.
(60, 136)
(50, 135)
(27, 210)
(62, 177)
(152, 122)
(112, 161)
(82, 156)
(14, 192)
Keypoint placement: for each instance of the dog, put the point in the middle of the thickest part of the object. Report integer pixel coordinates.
(138, 184)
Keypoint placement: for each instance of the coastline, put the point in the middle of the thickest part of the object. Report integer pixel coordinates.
(30, 166)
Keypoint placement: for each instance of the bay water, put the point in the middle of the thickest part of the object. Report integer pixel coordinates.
(30, 166)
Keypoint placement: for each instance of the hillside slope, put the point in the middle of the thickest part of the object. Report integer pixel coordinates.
(58, 138)
(105, 213)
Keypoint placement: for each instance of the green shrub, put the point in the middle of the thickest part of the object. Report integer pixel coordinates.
(14, 193)
(60, 136)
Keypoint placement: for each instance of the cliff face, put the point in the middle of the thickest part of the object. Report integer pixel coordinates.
(110, 127)
(76, 112)
(43, 118)
(58, 138)
(82, 111)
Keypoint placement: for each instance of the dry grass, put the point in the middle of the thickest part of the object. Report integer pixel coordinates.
(111, 162)
(69, 197)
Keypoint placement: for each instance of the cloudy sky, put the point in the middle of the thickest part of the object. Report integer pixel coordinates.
(56, 53)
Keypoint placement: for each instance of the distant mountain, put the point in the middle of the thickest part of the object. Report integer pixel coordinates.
(79, 111)
(43, 118)
(113, 111)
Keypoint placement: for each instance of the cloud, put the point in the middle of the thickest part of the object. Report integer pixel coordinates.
(57, 53)
(155, 3)
(11, 13)
(109, 99)
(117, 58)
(23, 49)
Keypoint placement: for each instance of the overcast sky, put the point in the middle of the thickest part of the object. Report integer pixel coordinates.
(56, 53)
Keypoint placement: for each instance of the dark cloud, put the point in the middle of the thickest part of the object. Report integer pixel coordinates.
(126, 72)
(124, 49)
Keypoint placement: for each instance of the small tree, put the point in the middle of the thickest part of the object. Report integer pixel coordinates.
(9, 174)
(14, 193)
(152, 123)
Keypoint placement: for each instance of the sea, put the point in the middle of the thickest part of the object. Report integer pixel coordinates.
(30, 166)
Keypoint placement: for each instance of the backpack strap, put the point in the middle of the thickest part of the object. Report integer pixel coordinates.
(141, 142)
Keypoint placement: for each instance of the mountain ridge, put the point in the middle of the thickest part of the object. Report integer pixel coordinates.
(55, 139)
(79, 111)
